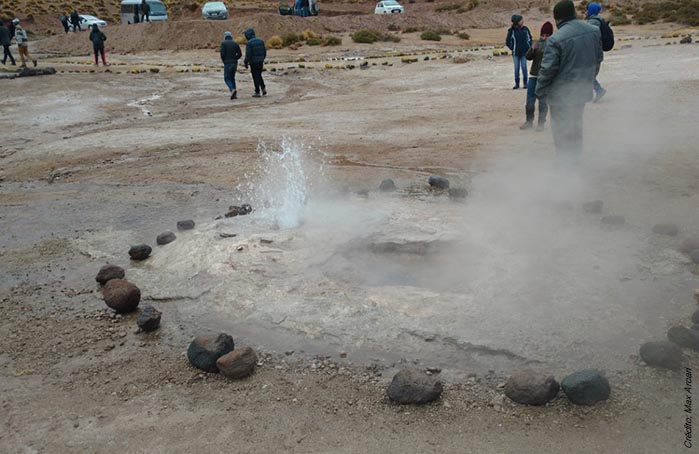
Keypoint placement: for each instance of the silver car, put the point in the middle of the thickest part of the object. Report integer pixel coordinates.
(214, 10)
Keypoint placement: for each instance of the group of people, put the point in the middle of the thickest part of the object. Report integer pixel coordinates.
(563, 74)
(255, 54)
(14, 30)
(141, 13)
(73, 20)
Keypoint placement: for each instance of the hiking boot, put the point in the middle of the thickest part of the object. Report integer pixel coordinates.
(256, 95)
(34, 61)
(600, 94)
(234, 94)
(264, 92)
(540, 127)
(515, 87)
(526, 125)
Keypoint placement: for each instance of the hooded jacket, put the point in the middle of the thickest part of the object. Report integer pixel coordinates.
(230, 51)
(97, 37)
(255, 50)
(21, 36)
(5, 37)
(536, 56)
(518, 40)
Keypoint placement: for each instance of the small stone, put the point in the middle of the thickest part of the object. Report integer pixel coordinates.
(109, 272)
(235, 210)
(686, 40)
(683, 337)
(662, 354)
(411, 386)
(149, 320)
(586, 387)
(696, 295)
(185, 225)
(530, 387)
(595, 206)
(666, 229)
(387, 185)
(165, 238)
(614, 219)
(121, 295)
(343, 354)
(457, 193)
(205, 350)
(438, 182)
(689, 244)
(239, 363)
(140, 252)
(694, 255)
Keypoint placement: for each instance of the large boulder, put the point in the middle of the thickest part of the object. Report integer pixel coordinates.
(239, 363)
(438, 182)
(185, 225)
(411, 386)
(686, 40)
(662, 354)
(683, 337)
(140, 252)
(109, 272)
(205, 350)
(530, 387)
(149, 320)
(165, 238)
(586, 387)
(666, 229)
(121, 295)
(387, 185)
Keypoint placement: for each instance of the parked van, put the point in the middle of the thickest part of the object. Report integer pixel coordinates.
(158, 12)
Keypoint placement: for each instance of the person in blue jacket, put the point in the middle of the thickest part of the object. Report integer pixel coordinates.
(519, 40)
(255, 54)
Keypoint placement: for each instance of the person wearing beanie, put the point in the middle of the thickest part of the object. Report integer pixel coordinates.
(535, 54)
(230, 54)
(22, 43)
(255, 54)
(98, 38)
(593, 10)
(5, 40)
(571, 61)
(519, 40)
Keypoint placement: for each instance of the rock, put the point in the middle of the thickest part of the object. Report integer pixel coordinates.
(531, 388)
(686, 40)
(614, 219)
(696, 295)
(149, 320)
(457, 193)
(411, 386)
(235, 210)
(438, 182)
(109, 272)
(689, 245)
(683, 337)
(694, 255)
(387, 185)
(121, 295)
(185, 225)
(205, 350)
(165, 238)
(239, 363)
(586, 387)
(695, 317)
(595, 206)
(666, 229)
(140, 252)
(662, 354)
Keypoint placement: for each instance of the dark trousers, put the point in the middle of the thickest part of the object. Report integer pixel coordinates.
(567, 128)
(77, 27)
(100, 51)
(229, 70)
(256, 70)
(65, 26)
(531, 103)
(145, 17)
(7, 54)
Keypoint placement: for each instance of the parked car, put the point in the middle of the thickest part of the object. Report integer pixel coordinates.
(388, 7)
(87, 21)
(214, 10)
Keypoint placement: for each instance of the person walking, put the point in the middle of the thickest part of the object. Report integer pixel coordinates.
(22, 43)
(5, 40)
(519, 40)
(255, 54)
(571, 61)
(64, 22)
(98, 38)
(230, 54)
(535, 54)
(593, 10)
(145, 11)
(75, 20)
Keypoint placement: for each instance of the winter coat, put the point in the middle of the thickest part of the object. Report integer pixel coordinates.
(98, 38)
(145, 8)
(75, 19)
(571, 62)
(230, 51)
(64, 19)
(535, 56)
(5, 37)
(595, 20)
(21, 36)
(519, 40)
(255, 50)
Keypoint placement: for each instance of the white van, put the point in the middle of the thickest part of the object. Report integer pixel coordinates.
(158, 12)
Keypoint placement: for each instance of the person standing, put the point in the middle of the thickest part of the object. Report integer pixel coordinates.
(98, 38)
(145, 11)
(255, 54)
(22, 43)
(535, 54)
(75, 20)
(593, 10)
(571, 61)
(519, 40)
(230, 54)
(64, 22)
(304, 8)
(5, 40)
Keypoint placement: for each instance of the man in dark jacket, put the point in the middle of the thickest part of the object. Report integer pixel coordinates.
(593, 10)
(145, 11)
(5, 40)
(75, 20)
(535, 54)
(519, 40)
(255, 54)
(571, 61)
(230, 54)
(98, 38)
(64, 22)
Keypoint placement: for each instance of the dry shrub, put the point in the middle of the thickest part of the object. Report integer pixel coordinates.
(241, 40)
(308, 34)
(275, 42)
(332, 41)
(430, 35)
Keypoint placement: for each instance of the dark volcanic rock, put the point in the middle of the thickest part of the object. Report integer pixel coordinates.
(438, 182)
(235, 210)
(121, 295)
(595, 206)
(185, 225)
(140, 252)
(586, 387)
(205, 350)
(109, 272)
(686, 40)
(149, 320)
(662, 354)
(387, 185)
(410, 386)
(239, 363)
(688, 245)
(457, 193)
(165, 238)
(694, 255)
(614, 219)
(684, 337)
(531, 388)
(666, 229)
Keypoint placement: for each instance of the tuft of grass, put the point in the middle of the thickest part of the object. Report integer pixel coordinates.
(332, 41)
(290, 38)
(241, 40)
(308, 34)
(393, 28)
(684, 12)
(315, 41)
(275, 42)
(430, 35)
(372, 36)
(449, 7)
(464, 35)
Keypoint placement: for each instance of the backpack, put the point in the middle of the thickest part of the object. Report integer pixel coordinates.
(607, 35)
